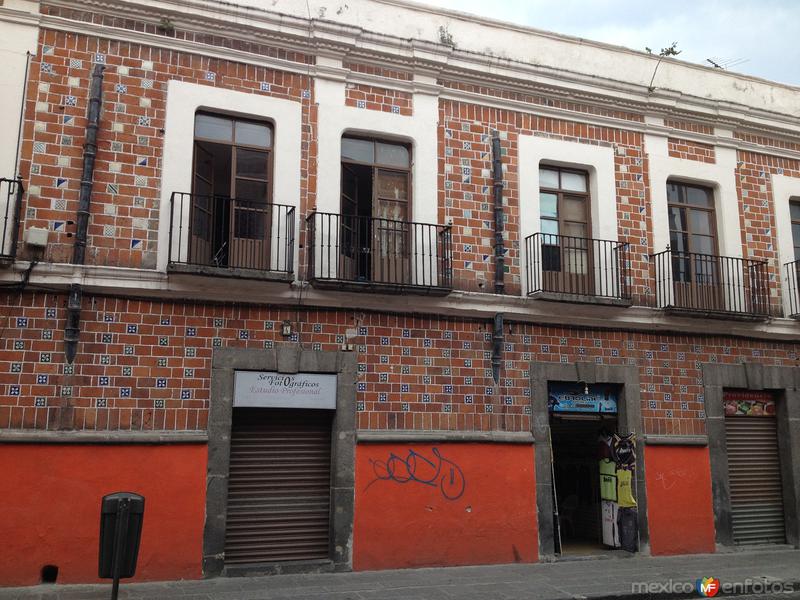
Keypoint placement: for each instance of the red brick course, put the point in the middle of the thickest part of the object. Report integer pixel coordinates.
(380, 99)
(415, 372)
(689, 150)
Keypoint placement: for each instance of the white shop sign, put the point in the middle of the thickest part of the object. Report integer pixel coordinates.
(277, 390)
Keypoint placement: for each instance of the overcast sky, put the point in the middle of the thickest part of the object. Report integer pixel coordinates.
(765, 34)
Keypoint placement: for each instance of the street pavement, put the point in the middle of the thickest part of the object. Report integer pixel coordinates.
(761, 573)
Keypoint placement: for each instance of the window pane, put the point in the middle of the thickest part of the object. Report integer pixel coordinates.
(548, 178)
(574, 209)
(549, 226)
(673, 195)
(700, 221)
(548, 205)
(360, 150)
(251, 163)
(394, 211)
(677, 218)
(575, 182)
(703, 244)
(698, 196)
(794, 209)
(253, 134)
(575, 230)
(213, 128)
(796, 233)
(678, 242)
(394, 155)
(251, 190)
(392, 185)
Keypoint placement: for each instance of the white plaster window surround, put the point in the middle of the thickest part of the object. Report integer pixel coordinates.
(597, 161)
(419, 130)
(183, 102)
(785, 189)
(721, 178)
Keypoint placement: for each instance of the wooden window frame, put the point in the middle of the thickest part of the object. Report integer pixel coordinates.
(682, 186)
(375, 166)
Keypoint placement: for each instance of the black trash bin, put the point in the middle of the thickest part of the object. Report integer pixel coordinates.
(121, 516)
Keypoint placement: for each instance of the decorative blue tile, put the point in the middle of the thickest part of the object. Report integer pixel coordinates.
(13, 390)
(50, 313)
(244, 334)
(467, 345)
(41, 379)
(158, 403)
(448, 408)
(383, 377)
(467, 380)
(488, 408)
(360, 406)
(132, 329)
(128, 350)
(68, 369)
(405, 369)
(362, 386)
(405, 406)
(103, 380)
(427, 343)
(268, 344)
(186, 394)
(404, 388)
(384, 341)
(490, 391)
(22, 321)
(127, 371)
(316, 346)
(468, 399)
(545, 348)
(384, 359)
(362, 331)
(44, 357)
(448, 389)
(107, 338)
(40, 401)
(163, 341)
(191, 332)
(468, 362)
(66, 390)
(162, 362)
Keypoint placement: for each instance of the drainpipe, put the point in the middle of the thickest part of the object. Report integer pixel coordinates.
(499, 250)
(497, 347)
(73, 327)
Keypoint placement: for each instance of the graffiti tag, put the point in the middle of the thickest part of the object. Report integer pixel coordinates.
(437, 471)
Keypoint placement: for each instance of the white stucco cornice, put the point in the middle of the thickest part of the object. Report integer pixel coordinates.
(771, 110)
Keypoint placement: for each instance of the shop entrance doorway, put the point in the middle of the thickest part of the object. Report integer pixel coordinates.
(593, 471)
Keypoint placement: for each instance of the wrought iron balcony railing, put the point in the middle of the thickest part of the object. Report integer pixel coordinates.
(792, 289)
(11, 191)
(230, 233)
(378, 254)
(710, 284)
(577, 269)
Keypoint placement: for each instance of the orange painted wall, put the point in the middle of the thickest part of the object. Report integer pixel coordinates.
(50, 508)
(414, 524)
(679, 509)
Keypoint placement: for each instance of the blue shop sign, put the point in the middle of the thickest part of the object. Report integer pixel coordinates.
(572, 397)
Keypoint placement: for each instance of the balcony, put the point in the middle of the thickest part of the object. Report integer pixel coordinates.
(574, 269)
(792, 289)
(380, 255)
(710, 285)
(221, 236)
(11, 191)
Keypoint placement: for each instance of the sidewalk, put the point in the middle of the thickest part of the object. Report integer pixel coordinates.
(574, 579)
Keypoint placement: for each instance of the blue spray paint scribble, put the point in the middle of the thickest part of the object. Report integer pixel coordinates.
(435, 472)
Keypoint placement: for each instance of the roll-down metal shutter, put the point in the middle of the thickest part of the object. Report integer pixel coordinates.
(279, 486)
(755, 480)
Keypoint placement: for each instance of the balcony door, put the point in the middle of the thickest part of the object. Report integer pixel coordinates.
(375, 244)
(566, 250)
(231, 214)
(696, 269)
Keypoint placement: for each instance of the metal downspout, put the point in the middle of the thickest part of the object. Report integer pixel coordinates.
(499, 248)
(72, 329)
